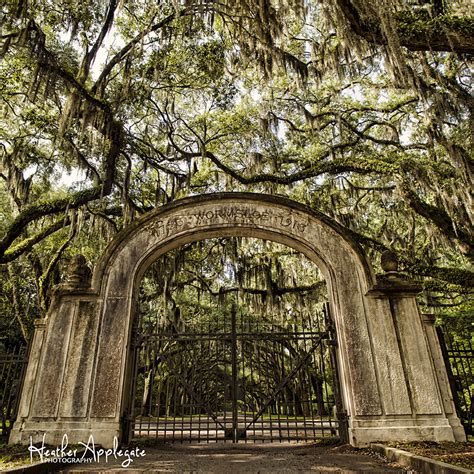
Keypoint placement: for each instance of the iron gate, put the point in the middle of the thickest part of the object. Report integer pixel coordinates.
(232, 377)
(459, 360)
(12, 367)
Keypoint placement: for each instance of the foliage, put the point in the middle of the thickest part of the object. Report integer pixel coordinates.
(13, 456)
(112, 109)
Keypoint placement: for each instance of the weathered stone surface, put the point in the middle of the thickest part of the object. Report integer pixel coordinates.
(109, 373)
(418, 364)
(79, 274)
(31, 371)
(443, 382)
(401, 428)
(52, 362)
(355, 344)
(80, 363)
(388, 359)
(389, 261)
(390, 388)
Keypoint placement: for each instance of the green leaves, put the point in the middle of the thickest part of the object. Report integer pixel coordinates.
(235, 96)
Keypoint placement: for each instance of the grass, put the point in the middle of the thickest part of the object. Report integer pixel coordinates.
(458, 454)
(13, 455)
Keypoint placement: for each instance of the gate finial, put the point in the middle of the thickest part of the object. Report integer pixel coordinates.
(389, 263)
(78, 273)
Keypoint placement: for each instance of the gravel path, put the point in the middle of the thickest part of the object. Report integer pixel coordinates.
(229, 459)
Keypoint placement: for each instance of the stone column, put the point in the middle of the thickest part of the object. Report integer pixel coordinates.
(55, 398)
(442, 378)
(428, 412)
(29, 382)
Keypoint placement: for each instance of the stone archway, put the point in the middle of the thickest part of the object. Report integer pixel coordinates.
(394, 384)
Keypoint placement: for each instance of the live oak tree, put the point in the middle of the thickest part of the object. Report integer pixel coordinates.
(361, 110)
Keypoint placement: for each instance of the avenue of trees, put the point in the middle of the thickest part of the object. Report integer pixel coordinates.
(188, 300)
(361, 110)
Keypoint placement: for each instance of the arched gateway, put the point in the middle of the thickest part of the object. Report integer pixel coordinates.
(393, 380)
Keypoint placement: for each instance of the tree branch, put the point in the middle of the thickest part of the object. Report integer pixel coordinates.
(417, 31)
(439, 218)
(90, 56)
(128, 47)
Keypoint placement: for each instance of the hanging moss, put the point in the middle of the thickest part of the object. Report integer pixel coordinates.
(454, 276)
(412, 26)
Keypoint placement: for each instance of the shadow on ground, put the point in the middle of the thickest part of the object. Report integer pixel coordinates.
(229, 459)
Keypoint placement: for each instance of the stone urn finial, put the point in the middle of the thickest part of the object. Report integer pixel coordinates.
(78, 273)
(389, 262)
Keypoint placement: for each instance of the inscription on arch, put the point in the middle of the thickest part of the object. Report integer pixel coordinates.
(240, 214)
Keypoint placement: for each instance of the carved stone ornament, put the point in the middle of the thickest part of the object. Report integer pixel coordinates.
(389, 262)
(78, 273)
(392, 282)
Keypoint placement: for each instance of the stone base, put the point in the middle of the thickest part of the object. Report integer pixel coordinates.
(428, 429)
(53, 433)
(458, 428)
(361, 433)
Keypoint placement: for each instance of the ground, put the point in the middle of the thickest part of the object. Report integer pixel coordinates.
(12, 456)
(459, 454)
(230, 459)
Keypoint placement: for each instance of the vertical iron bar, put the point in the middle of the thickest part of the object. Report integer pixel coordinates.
(312, 367)
(253, 345)
(304, 386)
(442, 339)
(175, 390)
(166, 410)
(261, 381)
(150, 389)
(243, 385)
(129, 420)
(228, 386)
(235, 414)
(461, 363)
(208, 435)
(281, 398)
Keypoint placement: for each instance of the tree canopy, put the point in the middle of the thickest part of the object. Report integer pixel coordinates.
(361, 110)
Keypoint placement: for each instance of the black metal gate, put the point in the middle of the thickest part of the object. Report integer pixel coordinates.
(459, 359)
(237, 378)
(12, 367)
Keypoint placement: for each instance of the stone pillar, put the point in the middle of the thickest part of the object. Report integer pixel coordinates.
(30, 379)
(441, 375)
(58, 384)
(423, 410)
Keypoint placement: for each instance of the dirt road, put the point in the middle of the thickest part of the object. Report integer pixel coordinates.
(230, 459)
